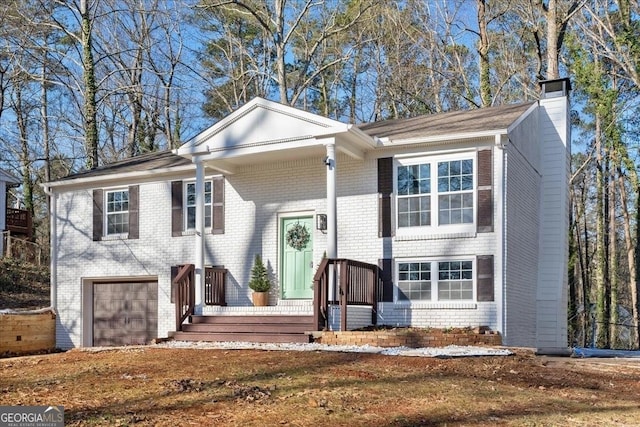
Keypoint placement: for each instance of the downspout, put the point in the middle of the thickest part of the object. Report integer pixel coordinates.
(53, 245)
(501, 267)
(199, 240)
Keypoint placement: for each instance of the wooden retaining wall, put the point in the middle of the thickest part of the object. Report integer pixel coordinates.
(27, 332)
(412, 337)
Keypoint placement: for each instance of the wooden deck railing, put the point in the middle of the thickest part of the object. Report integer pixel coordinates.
(353, 282)
(19, 221)
(214, 281)
(185, 298)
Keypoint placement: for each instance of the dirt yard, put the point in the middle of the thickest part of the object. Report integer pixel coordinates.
(179, 387)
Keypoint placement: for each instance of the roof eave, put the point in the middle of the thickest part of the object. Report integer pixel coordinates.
(442, 139)
(115, 177)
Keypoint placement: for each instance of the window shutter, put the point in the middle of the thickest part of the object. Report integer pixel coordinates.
(176, 208)
(485, 191)
(217, 206)
(385, 275)
(134, 212)
(385, 190)
(98, 220)
(485, 278)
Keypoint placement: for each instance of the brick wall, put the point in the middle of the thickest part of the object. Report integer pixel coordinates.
(412, 337)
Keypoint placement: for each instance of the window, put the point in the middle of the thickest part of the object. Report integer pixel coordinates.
(437, 280)
(190, 205)
(414, 281)
(414, 200)
(455, 280)
(455, 192)
(435, 192)
(117, 212)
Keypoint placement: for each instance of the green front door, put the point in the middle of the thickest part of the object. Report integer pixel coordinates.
(297, 260)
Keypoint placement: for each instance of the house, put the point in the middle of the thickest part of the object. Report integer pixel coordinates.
(448, 220)
(7, 181)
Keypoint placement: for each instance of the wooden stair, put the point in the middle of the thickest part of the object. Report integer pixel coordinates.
(260, 329)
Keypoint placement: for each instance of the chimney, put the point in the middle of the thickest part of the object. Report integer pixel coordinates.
(554, 88)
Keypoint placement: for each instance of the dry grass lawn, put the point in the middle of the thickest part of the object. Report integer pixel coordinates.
(179, 387)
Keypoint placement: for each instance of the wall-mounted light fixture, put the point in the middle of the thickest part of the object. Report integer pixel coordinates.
(321, 222)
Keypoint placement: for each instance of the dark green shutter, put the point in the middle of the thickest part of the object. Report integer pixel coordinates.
(385, 192)
(485, 278)
(217, 206)
(485, 191)
(176, 208)
(98, 209)
(134, 201)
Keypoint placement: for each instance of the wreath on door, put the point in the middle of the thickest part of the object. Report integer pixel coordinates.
(298, 237)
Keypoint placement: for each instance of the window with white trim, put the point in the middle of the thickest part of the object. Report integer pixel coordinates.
(435, 191)
(435, 280)
(190, 205)
(117, 212)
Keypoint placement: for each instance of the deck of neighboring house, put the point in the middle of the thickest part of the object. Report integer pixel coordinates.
(354, 283)
(17, 238)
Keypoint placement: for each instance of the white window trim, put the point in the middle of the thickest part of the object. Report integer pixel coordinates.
(434, 230)
(187, 231)
(435, 302)
(105, 215)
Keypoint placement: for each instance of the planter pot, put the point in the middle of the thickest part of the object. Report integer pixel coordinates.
(260, 299)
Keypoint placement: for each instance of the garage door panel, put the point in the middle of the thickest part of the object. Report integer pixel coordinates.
(124, 313)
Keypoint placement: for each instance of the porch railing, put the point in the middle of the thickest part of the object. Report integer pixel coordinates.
(344, 282)
(19, 221)
(214, 281)
(185, 298)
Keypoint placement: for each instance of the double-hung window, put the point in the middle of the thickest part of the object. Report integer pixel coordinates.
(435, 192)
(117, 212)
(435, 280)
(190, 205)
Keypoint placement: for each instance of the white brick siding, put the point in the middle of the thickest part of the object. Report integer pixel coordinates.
(258, 196)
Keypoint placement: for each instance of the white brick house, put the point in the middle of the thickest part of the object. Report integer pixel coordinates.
(465, 213)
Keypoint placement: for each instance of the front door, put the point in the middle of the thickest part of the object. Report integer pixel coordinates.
(296, 241)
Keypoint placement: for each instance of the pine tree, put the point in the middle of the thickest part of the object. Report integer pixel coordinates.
(259, 277)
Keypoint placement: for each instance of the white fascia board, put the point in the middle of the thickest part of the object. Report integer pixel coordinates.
(116, 177)
(8, 178)
(443, 139)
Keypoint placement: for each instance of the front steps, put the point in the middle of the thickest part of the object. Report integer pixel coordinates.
(257, 328)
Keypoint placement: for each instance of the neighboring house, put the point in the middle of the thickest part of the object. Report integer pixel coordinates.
(6, 181)
(464, 213)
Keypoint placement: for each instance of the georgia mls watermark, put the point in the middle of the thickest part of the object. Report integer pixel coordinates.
(31, 416)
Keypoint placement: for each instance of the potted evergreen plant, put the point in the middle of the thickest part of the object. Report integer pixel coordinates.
(259, 283)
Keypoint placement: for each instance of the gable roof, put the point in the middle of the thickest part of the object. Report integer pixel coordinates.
(420, 128)
(430, 126)
(268, 129)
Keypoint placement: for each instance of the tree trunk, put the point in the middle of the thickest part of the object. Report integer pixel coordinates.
(88, 69)
(483, 52)
(602, 320)
(630, 248)
(613, 257)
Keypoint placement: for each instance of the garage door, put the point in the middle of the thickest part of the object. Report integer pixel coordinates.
(124, 313)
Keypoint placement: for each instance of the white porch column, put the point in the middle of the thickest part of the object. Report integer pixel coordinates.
(332, 209)
(199, 240)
